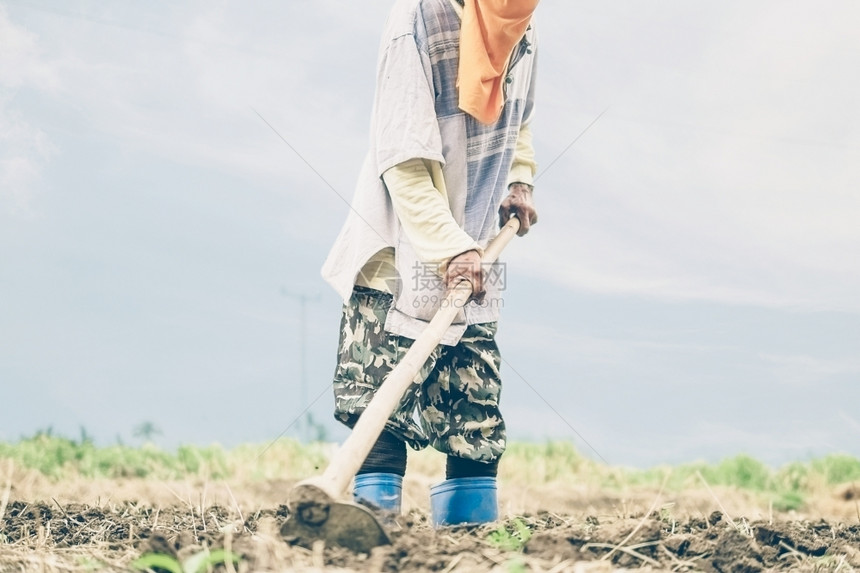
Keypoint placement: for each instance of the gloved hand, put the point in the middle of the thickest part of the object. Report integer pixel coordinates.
(519, 201)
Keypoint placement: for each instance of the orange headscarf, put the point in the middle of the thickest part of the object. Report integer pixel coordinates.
(489, 31)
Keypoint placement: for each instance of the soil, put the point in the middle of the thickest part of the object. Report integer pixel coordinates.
(75, 537)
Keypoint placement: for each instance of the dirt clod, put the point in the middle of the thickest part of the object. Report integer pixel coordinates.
(736, 552)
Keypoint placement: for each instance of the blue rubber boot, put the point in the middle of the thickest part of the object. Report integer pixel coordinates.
(464, 501)
(379, 490)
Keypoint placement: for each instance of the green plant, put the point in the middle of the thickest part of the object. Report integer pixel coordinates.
(60, 458)
(667, 517)
(90, 563)
(510, 536)
(788, 501)
(197, 563)
(837, 468)
(157, 561)
(146, 431)
(740, 471)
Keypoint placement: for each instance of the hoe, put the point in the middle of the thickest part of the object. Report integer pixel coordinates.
(315, 510)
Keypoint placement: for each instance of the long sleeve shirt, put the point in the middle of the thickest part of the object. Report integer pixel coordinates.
(420, 199)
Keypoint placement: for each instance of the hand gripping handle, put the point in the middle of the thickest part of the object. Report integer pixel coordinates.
(352, 453)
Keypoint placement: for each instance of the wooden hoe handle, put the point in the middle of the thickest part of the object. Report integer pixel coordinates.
(352, 453)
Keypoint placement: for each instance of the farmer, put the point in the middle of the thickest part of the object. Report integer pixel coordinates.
(450, 159)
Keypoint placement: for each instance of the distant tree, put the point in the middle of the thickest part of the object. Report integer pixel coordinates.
(147, 431)
(86, 438)
(44, 432)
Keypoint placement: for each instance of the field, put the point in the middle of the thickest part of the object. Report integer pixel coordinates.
(67, 505)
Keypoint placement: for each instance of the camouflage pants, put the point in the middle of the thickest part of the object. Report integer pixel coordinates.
(455, 396)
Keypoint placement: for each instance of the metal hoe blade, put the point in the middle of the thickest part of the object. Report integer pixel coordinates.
(314, 516)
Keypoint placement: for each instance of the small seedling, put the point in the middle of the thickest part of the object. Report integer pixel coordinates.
(512, 537)
(157, 561)
(667, 517)
(197, 563)
(90, 564)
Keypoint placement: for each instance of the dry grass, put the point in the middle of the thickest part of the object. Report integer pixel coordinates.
(532, 478)
(211, 505)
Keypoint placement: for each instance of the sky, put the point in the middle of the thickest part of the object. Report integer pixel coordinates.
(172, 176)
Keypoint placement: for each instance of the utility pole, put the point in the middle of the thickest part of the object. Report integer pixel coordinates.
(303, 298)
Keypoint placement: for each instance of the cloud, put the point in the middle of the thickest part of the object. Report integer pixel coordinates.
(725, 168)
(183, 82)
(802, 369)
(852, 423)
(723, 171)
(24, 148)
(21, 59)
